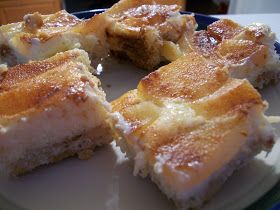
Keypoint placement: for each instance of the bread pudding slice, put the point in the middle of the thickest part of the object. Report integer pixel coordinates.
(189, 126)
(50, 110)
(248, 52)
(41, 36)
(146, 31)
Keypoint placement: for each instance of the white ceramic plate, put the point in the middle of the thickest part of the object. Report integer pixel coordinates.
(105, 182)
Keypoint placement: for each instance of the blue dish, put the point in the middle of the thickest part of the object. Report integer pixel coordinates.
(270, 200)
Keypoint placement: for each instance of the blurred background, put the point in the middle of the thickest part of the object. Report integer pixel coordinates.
(14, 10)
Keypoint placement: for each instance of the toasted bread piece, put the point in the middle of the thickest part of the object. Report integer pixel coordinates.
(145, 31)
(248, 52)
(42, 36)
(189, 126)
(50, 110)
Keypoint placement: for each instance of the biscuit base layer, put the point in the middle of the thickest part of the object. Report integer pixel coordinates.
(81, 145)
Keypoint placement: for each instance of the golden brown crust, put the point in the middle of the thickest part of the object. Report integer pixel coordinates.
(23, 72)
(127, 4)
(236, 51)
(145, 15)
(35, 86)
(41, 91)
(198, 152)
(224, 29)
(188, 78)
(51, 26)
(203, 43)
(234, 95)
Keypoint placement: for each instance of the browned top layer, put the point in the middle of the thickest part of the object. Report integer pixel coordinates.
(224, 29)
(204, 43)
(219, 44)
(39, 85)
(61, 19)
(39, 92)
(23, 72)
(146, 15)
(235, 51)
(124, 5)
(188, 78)
(42, 27)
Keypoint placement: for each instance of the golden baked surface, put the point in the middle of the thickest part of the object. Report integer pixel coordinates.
(195, 82)
(32, 87)
(23, 72)
(146, 14)
(222, 36)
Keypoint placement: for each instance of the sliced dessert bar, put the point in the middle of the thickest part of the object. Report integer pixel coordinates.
(145, 31)
(189, 126)
(41, 36)
(248, 52)
(50, 110)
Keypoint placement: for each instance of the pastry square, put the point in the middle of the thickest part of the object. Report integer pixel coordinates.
(145, 32)
(41, 36)
(248, 52)
(189, 126)
(50, 110)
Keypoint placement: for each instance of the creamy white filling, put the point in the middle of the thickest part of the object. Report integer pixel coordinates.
(247, 69)
(90, 91)
(121, 123)
(273, 119)
(174, 116)
(161, 160)
(39, 50)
